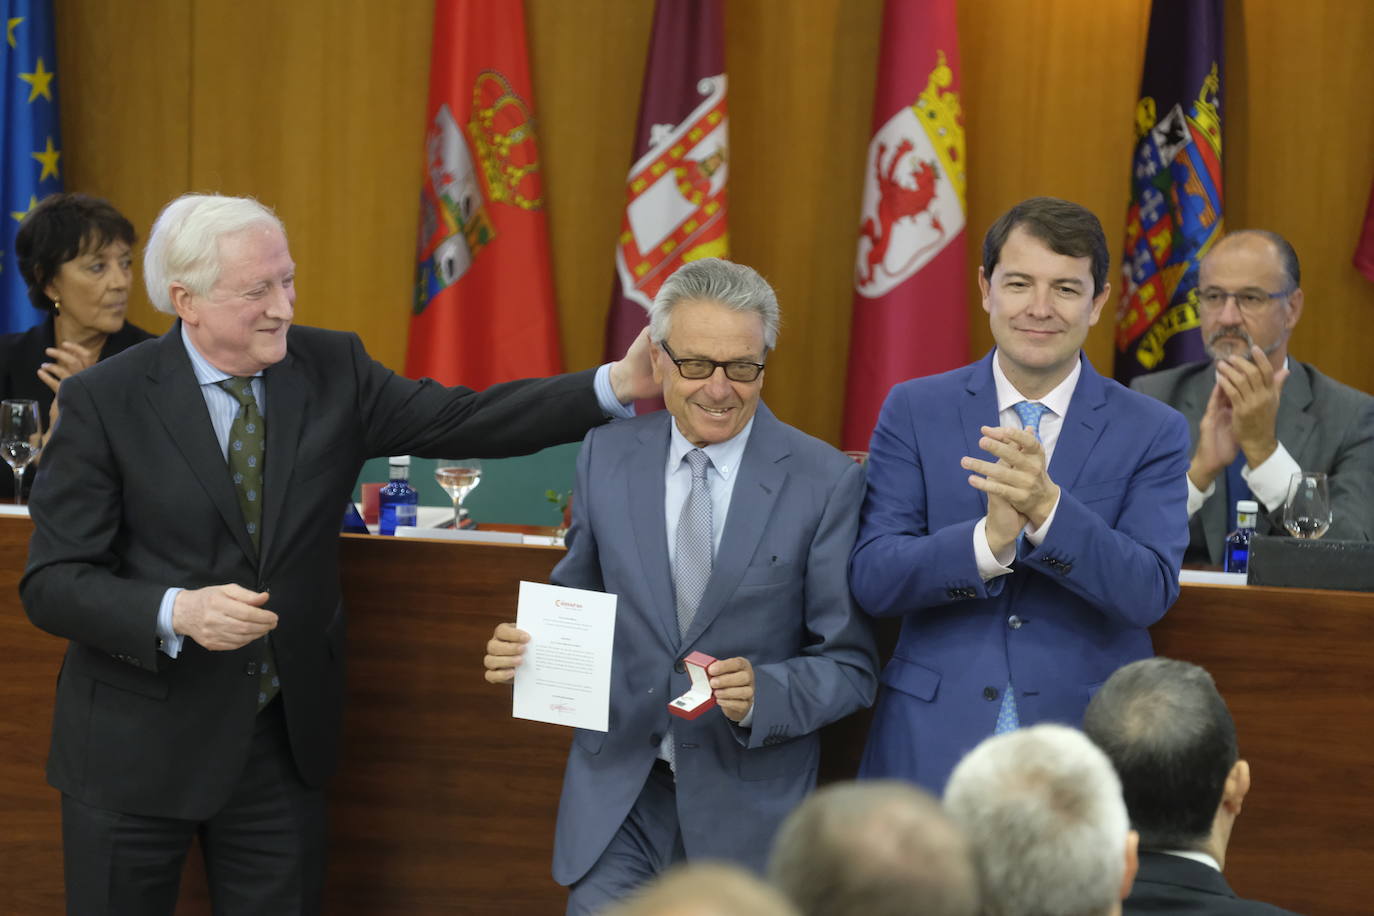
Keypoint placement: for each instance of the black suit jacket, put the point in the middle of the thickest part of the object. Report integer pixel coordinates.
(1173, 884)
(20, 356)
(134, 497)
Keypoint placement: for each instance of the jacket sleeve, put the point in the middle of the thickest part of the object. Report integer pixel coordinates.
(836, 671)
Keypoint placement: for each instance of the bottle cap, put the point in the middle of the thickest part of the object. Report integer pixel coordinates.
(1242, 505)
(402, 461)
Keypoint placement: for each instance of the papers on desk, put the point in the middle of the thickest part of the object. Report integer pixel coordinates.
(11, 509)
(461, 534)
(1210, 577)
(566, 676)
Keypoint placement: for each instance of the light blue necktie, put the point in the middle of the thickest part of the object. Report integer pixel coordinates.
(1008, 720)
(692, 555)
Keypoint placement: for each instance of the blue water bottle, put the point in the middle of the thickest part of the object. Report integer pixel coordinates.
(1238, 541)
(397, 503)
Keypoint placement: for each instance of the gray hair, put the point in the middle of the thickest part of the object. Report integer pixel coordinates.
(184, 245)
(732, 285)
(1043, 811)
(880, 848)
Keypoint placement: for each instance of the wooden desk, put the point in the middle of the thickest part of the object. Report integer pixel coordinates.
(444, 804)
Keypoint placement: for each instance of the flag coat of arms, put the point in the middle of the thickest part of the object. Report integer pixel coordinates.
(483, 303)
(675, 194)
(910, 315)
(1175, 213)
(30, 144)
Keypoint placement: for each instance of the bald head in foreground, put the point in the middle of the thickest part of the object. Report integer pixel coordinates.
(878, 848)
(1043, 813)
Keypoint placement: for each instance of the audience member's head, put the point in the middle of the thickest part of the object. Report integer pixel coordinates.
(880, 848)
(1170, 736)
(1043, 814)
(708, 889)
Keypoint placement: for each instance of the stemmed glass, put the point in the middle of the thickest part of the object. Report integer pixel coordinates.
(1307, 511)
(20, 438)
(458, 477)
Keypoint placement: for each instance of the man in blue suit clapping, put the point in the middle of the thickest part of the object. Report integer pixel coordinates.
(1025, 516)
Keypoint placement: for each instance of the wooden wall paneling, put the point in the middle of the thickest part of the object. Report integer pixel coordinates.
(124, 84)
(1049, 92)
(316, 107)
(587, 63)
(1299, 148)
(801, 108)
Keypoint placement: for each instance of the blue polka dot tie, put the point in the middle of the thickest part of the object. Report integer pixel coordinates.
(1008, 719)
(247, 436)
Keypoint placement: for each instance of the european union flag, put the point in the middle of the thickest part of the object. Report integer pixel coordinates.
(32, 144)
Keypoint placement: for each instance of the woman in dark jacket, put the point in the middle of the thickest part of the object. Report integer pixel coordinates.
(76, 256)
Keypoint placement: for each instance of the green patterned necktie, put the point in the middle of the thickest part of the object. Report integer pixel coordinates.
(247, 436)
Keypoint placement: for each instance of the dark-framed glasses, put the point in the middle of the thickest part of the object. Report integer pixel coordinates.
(1250, 301)
(696, 369)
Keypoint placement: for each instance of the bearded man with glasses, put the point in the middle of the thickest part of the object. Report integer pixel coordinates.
(1255, 416)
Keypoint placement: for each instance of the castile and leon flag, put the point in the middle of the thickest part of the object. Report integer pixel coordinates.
(910, 312)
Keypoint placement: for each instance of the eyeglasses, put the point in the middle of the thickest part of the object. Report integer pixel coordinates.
(1249, 301)
(735, 370)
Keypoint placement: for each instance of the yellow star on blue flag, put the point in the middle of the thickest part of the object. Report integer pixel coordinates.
(30, 141)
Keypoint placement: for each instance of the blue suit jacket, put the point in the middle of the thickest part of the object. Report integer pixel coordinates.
(777, 596)
(1072, 611)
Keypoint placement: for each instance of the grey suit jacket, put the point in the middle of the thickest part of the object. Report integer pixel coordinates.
(1326, 426)
(777, 596)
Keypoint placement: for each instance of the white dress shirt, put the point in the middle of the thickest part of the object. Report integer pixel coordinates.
(991, 565)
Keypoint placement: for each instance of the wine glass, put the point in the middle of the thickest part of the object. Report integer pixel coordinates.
(458, 477)
(1307, 511)
(20, 438)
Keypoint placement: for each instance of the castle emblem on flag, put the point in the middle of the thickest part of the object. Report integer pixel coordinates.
(1173, 219)
(675, 197)
(914, 187)
(495, 161)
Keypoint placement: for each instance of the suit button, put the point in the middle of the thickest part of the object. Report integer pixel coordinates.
(679, 667)
(655, 739)
(1014, 622)
(989, 693)
(1065, 568)
(250, 668)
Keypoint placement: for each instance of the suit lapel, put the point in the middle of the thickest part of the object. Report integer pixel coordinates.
(646, 485)
(176, 398)
(762, 472)
(1294, 425)
(1081, 429)
(285, 388)
(978, 408)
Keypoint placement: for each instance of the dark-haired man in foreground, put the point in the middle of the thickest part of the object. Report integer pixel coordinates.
(1170, 737)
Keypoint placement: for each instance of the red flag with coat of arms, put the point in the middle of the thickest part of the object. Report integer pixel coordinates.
(675, 204)
(910, 317)
(484, 307)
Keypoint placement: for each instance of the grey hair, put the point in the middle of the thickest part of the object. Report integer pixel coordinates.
(879, 848)
(1043, 811)
(732, 285)
(184, 244)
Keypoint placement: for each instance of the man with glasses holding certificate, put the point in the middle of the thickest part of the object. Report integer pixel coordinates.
(725, 532)
(1255, 416)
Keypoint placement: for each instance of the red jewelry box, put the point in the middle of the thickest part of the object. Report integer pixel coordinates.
(700, 697)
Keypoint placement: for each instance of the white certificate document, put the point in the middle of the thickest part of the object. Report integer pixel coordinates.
(566, 676)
